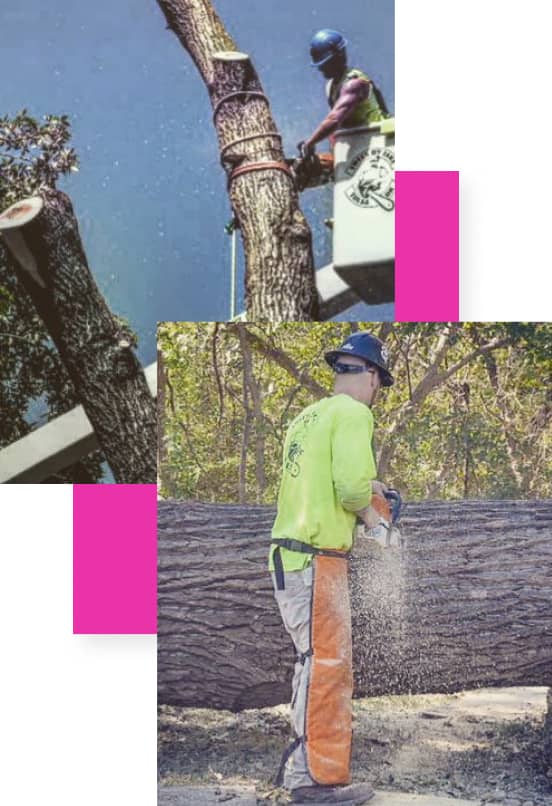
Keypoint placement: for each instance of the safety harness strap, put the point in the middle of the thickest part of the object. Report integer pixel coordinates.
(304, 548)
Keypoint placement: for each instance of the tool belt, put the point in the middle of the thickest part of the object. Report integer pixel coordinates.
(304, 548)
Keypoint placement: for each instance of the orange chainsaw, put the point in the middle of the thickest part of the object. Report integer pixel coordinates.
(387, 532)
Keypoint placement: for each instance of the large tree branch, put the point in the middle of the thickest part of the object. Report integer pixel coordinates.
(42, 235)
(279, 277)
(283, 360)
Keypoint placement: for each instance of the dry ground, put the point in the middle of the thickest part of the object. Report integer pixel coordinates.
(483, 745)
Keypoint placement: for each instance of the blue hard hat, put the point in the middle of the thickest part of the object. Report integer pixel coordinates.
(324, 46)
(368, 347)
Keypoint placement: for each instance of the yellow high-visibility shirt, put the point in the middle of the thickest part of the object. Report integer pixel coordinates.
(328, 467)
(365, 112)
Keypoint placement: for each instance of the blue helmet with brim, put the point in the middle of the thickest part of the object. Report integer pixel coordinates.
(325, 44)
(368, 347)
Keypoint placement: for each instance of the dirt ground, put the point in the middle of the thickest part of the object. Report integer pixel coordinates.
(483, 745)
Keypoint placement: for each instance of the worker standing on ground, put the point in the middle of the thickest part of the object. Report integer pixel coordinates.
(353, 97)
(328, 480)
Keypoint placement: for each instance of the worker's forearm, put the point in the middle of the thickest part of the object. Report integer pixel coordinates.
(329, 125)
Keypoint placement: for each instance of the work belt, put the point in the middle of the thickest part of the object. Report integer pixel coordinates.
(304, 548)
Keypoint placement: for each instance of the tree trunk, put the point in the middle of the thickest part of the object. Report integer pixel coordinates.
(468, 604)
(548, 735)
(42, 236)
(162, 463)
(279, 281)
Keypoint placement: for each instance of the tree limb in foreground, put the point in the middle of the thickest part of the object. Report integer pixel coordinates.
(42, 235)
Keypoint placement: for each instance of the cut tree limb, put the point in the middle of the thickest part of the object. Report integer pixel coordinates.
(468, 605)
(43, 239)
(280, 282)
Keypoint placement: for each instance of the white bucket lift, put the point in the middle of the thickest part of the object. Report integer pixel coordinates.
(364, 210)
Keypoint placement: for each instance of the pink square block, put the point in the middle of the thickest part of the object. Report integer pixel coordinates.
(115, 558)
(426, 246)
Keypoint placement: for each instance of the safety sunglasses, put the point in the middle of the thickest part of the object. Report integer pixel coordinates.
(342, 369)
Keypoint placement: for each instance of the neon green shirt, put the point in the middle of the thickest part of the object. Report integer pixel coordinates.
(328, 467)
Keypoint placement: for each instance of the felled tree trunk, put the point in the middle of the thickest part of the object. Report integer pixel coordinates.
(279, 280)
(548, 735)
(42, 236)
(468, 604)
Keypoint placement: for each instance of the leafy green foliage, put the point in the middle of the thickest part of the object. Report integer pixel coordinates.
(33, 155)
(468, 416)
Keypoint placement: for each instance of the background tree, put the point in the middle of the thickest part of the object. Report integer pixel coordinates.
(469, 415)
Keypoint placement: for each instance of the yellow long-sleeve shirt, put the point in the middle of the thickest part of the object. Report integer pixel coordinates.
(328, 467)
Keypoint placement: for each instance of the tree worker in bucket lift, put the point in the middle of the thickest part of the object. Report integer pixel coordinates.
(354, 101)
(328, 480)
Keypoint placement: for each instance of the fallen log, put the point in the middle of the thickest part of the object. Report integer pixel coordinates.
(467, 604)
(42, 236)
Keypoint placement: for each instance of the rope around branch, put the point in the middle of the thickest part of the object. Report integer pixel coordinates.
(232, 143)
(236, 94)
(260, 166)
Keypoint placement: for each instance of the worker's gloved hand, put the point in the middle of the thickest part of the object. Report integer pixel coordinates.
(379, 488)
(369, 516)
(305, 149)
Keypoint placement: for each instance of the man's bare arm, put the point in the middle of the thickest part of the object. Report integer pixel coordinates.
(353, 92)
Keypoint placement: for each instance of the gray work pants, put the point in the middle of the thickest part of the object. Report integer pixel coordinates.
(295, 608)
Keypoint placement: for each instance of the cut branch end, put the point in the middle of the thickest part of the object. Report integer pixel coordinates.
(20, 213)
(230, 56)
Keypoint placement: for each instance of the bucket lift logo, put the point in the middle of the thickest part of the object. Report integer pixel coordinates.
(374, 185)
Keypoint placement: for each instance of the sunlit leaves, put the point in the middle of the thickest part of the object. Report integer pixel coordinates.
(465, 438)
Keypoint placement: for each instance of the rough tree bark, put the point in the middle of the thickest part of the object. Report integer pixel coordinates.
(42, 236)
(469, 604)
(548, 735)
(279, 281)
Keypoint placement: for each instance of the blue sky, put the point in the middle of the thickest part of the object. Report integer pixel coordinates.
(150, 195)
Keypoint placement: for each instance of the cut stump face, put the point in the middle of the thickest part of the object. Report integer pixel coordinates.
(20, 213)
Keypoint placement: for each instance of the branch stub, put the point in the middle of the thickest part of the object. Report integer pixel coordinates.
(21, 212)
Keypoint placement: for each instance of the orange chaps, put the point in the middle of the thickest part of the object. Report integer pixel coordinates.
(328, 728)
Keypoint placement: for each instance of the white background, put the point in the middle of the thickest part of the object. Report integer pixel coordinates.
(472, 88)
(77, 713)
(473, 94)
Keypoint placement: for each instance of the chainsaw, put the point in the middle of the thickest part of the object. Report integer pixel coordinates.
(387, 533)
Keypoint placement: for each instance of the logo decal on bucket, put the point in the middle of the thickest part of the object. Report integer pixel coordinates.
(374, 183)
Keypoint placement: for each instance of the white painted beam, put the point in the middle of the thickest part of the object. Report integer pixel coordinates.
(54, 446)
(334, 294)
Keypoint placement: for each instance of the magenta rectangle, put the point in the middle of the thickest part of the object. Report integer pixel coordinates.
(115, 558)
(427, 246)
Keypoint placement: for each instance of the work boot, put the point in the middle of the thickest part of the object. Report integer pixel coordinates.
(353, 794)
